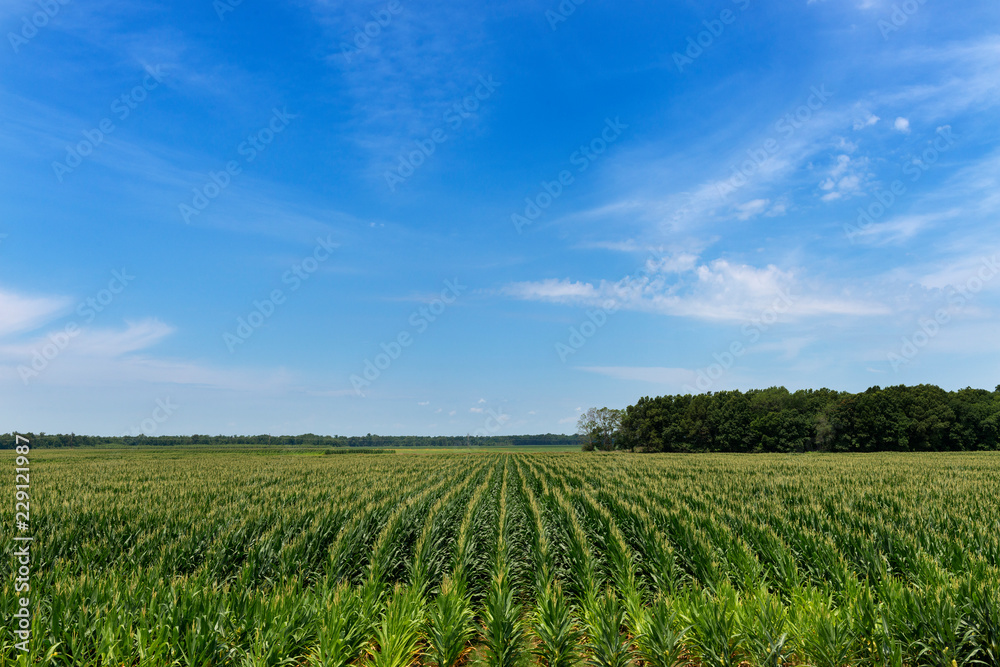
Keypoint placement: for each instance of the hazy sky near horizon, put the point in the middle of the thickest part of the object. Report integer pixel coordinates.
(447, 218)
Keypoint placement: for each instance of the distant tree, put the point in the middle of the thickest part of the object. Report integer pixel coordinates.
(599, 428)
(900, 418)
(729, 416)
(644, 425)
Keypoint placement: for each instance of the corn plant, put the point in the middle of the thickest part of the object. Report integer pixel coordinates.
(347, 619)
(658, 640)
(825, 635)
(556, 629)
(157, 558)
(764, 628)
(984, 611)
(715, 635)
(604, 616)
(398, 631)
(450, 626)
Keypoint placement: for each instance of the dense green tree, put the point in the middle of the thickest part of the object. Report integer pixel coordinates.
(920, 418)
(599, 428)
(727, 413)
(900, 418)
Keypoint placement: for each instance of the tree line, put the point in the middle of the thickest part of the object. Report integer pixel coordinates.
(307, 440)
(921, 418)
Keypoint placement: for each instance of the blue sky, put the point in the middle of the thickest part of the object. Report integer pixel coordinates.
(444, 218)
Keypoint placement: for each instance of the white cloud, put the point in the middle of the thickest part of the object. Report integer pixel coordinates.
(849, 183)
(902, 125)
(655, 374)
(845, 145)
(92, 342)
(673, 263)
(843, 162)
(628, 245)
(901, 228)
(699, 191)
(423, 402)
(963, 271)
(111, 343)
(24, 313)
(407, 76)
(968, 79)
(779, 208)
(788, 347)
(155, 172)
(119, 357)
(751, 208)
(717, 291)
(552, 289)
(844, 178)
(867, 122)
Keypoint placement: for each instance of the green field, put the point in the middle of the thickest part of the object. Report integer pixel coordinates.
(174, 557)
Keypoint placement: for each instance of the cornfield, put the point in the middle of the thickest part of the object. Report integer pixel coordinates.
(160, 558)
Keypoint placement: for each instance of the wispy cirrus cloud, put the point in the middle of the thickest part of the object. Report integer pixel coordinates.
(718, 290)
(959, 78)
(408, 74)
(902, 228)
(124, 356)
(655, 374)
(20, 312)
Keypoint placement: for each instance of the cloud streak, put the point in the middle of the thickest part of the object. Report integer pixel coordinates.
(718, 290)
